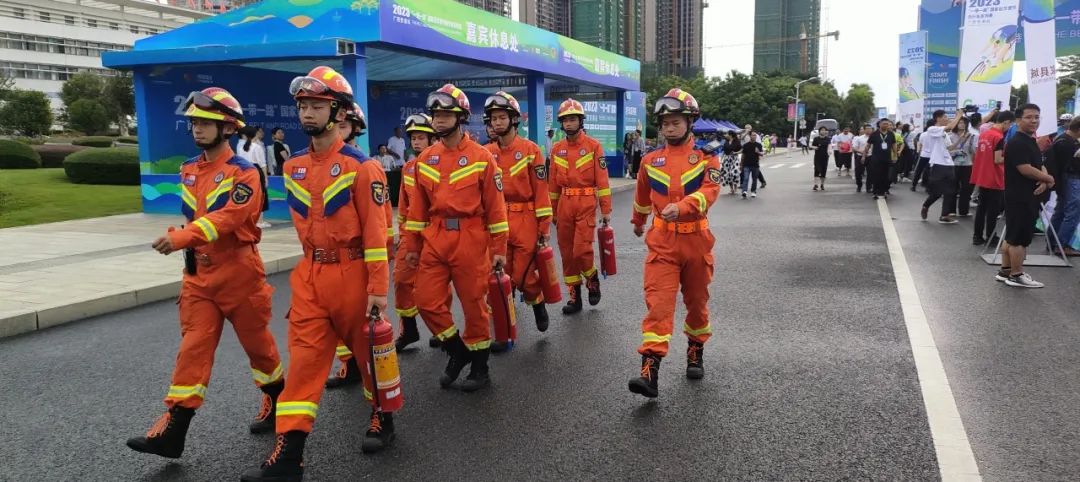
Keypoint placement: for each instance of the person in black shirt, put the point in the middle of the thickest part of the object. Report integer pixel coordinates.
(881, 146)
(821, 157)
(730, 167)
(1025, 179)
(280, 149)
(1064, 165)
(751, 162)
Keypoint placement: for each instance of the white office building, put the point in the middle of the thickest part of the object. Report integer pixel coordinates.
(44, 42)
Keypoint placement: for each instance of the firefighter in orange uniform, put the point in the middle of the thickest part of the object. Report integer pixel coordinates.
(527, 202)
(336, 196)
(348, 373)
(455, 231)
(677, 184)
(224, 277)
(421, 136)
(578, 182)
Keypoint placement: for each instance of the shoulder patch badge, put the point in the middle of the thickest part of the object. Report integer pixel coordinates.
(299, 173)
(189, 180)
(562, 152)
(219, 177)
(693, 159)
(659, 162)
(335, 170)
(603, 163)
(498, 181)
(433, 161)
(714, 175)
(541, 172)
(241, 194)
(378, 192)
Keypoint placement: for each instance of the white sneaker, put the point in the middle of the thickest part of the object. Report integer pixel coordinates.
(753, 194)
(1023, 280)
(263, 225)
(744, 194)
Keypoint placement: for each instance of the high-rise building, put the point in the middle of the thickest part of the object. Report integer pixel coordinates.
(44, 43)
(600, 23)
(634, 25)
(500, 7)
(779, 26)
(550, 15)
(649, 32)
(679, 36)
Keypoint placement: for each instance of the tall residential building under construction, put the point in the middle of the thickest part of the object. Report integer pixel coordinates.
(780, 27)
(501, 7)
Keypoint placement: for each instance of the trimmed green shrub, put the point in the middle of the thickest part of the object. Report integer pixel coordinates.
(16, 155)
(127, 140)
(30, 141)
(93, 141)
(113, 165)
(52, 155)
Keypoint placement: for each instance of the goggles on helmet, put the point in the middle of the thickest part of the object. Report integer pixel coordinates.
(670, 105)
(498, 102)
(418, 123)
(442, 101)
(204, 101)
(311, 86)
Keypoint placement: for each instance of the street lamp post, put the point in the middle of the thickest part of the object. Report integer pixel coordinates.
(795, 123)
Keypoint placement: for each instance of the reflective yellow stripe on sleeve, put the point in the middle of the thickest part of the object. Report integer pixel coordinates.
(342, 351)
(543, 212)
(497, 228)
(603, 192)
(415, 226)
(375, 254)
(642, 209)
(703, 204)
(208, 229)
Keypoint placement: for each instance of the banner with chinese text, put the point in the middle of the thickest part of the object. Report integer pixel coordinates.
(988, 47)
(1038, 20)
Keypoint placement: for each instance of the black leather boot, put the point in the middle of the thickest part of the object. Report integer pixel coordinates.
(264, 422)
(478, 375)
(286, 462)
(646, 384)
(380, 432)
(166, 436)
(459, 359)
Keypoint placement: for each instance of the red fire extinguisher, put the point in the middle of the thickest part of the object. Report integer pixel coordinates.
(381, 363)
(502, 308)
(606, 236)
(549, 281)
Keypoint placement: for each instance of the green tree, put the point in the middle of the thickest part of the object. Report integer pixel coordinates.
(88, 116)
(7, 84)
(83, 85)
(822, 102)
(26, 112)
(1019, 96)
(858, 106)
(118, 98)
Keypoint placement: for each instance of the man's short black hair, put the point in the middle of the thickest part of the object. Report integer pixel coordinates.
(939, 114)
(1026, 107)
(274, 131)
(1004, 116)
(885, 119)
(1074, 125)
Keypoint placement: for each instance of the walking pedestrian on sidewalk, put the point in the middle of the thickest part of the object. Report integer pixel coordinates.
(942, 174)
(730, 168)
(988, 173)
(1066, 171)
(821, 145)
(922, 164)
(859, 147)
(962, 149)
(882, 144)
(750, 166)
(223, 274)
(1025, 180)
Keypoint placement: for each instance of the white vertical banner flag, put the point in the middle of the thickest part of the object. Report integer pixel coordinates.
(987, 48)
(909, 108)
(1041, 54)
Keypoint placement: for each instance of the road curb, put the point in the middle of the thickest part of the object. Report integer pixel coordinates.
(24, 321)
(19, 321)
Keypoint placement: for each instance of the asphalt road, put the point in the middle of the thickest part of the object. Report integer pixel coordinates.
(809, 375)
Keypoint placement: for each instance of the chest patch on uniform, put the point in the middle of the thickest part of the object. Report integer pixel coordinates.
(189, 180)
(714, 175)
(518, 156)
(498, 181)
(541, 172)
(299, 172)
(463, 161)
(241, 194)
(378, 192)
(411, 170)
(219, 177)
(659, 162)
(581, 152)
(433, 161)
(693, 159)
(603, 163)
(335, 170)
(562, 152)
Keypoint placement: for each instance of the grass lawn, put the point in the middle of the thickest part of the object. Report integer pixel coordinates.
(35, 196)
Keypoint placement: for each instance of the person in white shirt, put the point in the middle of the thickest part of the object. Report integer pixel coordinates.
(843, 149)
(386, 158)
(858, 148)
(251, 148)
(942, 175)
(396, 146)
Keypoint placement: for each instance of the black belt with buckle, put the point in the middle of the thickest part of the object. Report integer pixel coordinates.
(333, 255)
(452, 224)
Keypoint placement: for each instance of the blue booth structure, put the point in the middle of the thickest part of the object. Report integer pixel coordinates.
(392, 51)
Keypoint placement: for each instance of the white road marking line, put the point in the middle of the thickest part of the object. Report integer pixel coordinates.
(776, 166)
(956, 461)
(798, 165)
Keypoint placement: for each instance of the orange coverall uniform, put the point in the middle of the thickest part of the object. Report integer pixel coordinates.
(457, 222)
(680, 252)
(578, 179)
(222, 200)
(336, 200)
(528, 210)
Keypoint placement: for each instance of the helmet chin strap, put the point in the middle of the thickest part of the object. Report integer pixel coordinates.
(682, 139)
(218, 139)
(446, 133)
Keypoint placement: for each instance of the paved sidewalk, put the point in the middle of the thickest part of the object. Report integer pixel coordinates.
(56, 273)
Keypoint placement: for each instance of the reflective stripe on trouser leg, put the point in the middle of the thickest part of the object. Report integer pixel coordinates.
(311, 355)
(404, 284)
(201, 322)
(522, 249)
(695, 277)
(471, 267)
(432, 300)
(564, 235)
(250, 316)
(584, 237)
(661, 286)
(342, 352)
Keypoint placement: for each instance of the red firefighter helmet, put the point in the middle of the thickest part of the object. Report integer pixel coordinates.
(449, 98)
(571, 107)
(356, 115)
(677, 101)
(502, 101)
(322, 83)
(214, 103)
